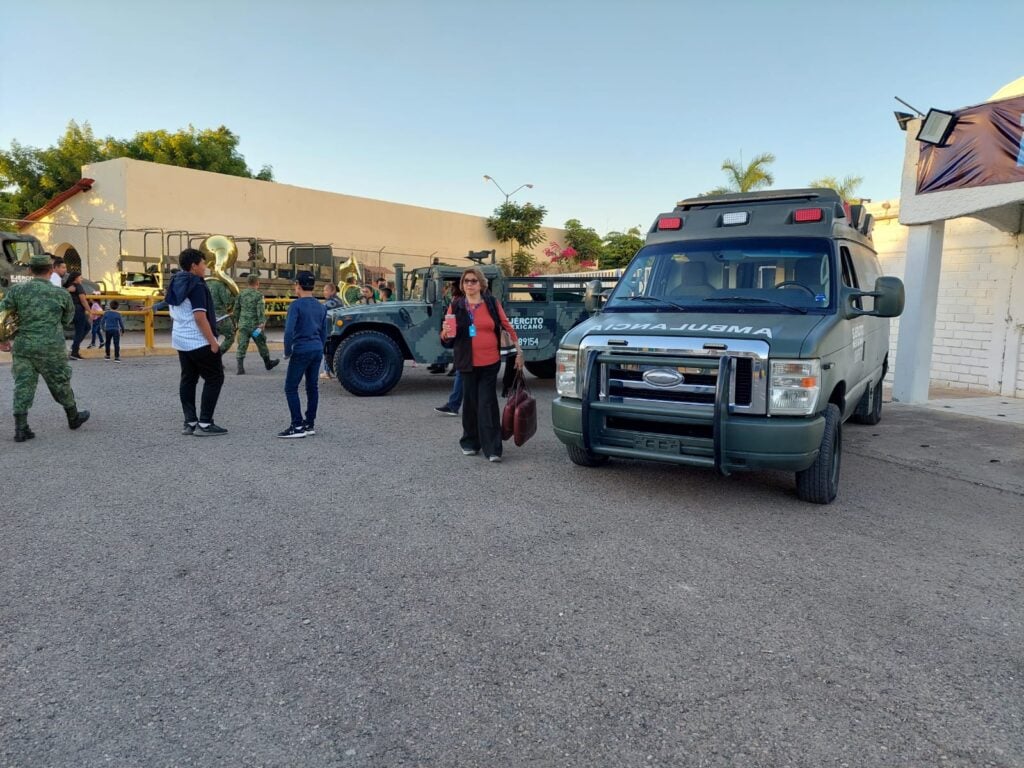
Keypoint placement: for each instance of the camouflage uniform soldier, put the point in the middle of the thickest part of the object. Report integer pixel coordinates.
(351, 293)
(43, 311)
(250, 314)
(224, 308)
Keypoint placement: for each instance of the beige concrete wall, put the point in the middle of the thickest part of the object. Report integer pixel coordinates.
(130, 194)
(170, 197)
(980, 310)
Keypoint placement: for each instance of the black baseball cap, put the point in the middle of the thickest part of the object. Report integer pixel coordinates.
(306, 280)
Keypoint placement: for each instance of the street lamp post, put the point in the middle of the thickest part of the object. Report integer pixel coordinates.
(507, 196)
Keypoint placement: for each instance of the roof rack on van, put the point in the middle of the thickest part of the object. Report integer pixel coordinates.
(775, 196)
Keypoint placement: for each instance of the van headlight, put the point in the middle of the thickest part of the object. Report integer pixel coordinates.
(566, 382)
(794, 385)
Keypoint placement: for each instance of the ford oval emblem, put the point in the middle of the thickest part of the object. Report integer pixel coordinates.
(663, 377)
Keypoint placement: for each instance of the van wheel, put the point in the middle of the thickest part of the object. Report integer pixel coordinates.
(542, 369)
(368, 363)
(869, 409)
(819, 483)
(584, 458)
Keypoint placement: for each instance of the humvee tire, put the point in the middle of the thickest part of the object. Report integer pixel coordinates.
(869, 409)
(368, 363)
(585, 458)
(542, 369)
(819, 483)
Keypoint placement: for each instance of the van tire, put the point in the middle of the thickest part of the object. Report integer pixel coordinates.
(542, 369)
(819, 483)
(869, 409)
(368, 363)
(584, 458)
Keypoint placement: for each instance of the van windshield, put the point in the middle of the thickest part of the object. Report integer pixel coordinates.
(755, 274)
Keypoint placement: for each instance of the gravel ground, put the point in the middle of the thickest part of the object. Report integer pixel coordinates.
(371, 597)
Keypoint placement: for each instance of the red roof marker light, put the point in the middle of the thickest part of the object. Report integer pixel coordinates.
(805, 215)
(670, 222)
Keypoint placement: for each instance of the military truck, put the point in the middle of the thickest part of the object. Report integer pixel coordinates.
(15, 251)
(367, 345)
(742, 336)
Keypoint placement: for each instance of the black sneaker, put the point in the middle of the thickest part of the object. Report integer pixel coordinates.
(188, 429)
(209, 431)
(308, 428)
(444, 410)
(292, 431)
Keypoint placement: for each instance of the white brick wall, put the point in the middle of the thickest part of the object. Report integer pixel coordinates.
(980, 267)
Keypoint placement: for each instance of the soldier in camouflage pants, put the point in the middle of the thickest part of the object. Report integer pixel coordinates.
(43, 311)
(250, 314)
(223, 308)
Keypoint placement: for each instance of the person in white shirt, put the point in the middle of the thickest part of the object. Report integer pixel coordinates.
(194, 336)
(60, 269)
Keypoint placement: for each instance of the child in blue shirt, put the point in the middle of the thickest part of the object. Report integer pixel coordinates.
(113, 325)
(304, 337)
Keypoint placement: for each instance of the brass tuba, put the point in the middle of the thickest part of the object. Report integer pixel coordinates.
(220, 252)
(346, 268)
(8, 324)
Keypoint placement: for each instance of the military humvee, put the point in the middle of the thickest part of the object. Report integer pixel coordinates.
(15, 251)
(367, 345)
(743, 335)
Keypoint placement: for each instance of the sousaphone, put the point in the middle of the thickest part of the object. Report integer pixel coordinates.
(221, 253)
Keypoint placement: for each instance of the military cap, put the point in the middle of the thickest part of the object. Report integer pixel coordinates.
(40, 260)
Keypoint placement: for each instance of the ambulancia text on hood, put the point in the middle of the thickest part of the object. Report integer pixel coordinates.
(732, 330)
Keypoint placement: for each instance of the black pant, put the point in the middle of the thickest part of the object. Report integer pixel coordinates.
(115, 336)
(81, 331)
(198, 363)
(481, 424)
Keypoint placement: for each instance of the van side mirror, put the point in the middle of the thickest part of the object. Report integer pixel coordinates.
(593, 297)
(889, 296)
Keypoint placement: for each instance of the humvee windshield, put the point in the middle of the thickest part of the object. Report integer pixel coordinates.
(755, 274)
(19, 251)
(414, 282)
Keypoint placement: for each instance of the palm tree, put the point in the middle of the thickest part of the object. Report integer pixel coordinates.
(845, 188)
(747, 178)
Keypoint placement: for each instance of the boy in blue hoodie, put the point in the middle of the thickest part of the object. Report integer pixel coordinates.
(304, 337)
(194, 336)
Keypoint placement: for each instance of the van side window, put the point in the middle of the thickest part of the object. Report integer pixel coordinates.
(849, 274)
(868, 271)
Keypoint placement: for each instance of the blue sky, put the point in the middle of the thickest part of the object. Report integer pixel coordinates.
(613, 110)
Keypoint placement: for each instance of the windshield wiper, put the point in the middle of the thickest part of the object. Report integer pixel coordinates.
(656, 300)
(756, 300)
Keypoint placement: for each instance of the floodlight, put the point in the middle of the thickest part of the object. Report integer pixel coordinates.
(936, 127)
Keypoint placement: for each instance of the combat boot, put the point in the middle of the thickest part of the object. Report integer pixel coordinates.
(76, 418)
(241, 368)
(270, 363)
(21, 430)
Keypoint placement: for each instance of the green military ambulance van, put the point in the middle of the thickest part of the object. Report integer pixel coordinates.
(742, 336)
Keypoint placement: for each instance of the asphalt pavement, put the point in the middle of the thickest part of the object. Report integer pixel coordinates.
(371, 597)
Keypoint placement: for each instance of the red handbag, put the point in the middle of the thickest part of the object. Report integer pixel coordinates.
(508, 414)
(526, 418)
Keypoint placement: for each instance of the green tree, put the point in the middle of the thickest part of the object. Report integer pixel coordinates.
(746, 178)
(520, 224)
(584, 240)
(519, 264)
(846, 188)
(30, 176)
(621, 247)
